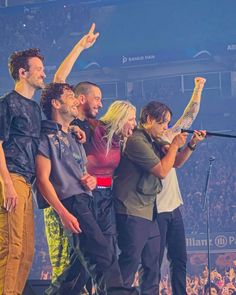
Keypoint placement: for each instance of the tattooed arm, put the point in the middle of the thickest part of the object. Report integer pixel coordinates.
(190, 112)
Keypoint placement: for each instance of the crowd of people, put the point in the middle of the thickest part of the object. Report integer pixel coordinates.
(222, 283)
(222, 188)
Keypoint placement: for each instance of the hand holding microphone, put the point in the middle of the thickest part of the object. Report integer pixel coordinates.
(208, 133)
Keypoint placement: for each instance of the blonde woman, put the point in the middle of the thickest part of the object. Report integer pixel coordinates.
(103, 154)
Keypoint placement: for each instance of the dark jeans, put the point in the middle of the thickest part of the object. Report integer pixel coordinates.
(139, 241)
(90, 252)
(173, 237)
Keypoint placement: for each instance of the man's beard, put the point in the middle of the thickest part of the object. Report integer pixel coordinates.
(88, 113)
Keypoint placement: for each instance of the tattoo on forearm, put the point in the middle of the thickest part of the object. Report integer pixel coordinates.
(186, 120)
(191, 111)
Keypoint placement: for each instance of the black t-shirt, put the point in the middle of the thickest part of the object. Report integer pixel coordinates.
(20, 124)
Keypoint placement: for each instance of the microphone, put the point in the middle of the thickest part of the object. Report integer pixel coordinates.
(210, 133)
(212, 158)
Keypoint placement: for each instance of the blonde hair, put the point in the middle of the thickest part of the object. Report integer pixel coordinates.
(115, 118)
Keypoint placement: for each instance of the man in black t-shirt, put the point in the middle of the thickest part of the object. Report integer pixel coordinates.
(20, 121)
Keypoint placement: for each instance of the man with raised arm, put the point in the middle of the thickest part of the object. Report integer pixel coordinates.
(169, 199)
(89, 96)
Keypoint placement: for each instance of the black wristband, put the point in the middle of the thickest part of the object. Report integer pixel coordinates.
(192, 148)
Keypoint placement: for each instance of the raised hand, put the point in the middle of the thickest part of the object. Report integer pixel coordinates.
(89, 39)
(66, 66)
(199, 82)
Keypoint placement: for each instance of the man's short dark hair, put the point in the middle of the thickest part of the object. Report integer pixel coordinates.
(20, 59)
(84, 88)
(155, 110)
(50, 92)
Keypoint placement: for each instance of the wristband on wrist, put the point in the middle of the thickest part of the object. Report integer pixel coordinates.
(191, 147)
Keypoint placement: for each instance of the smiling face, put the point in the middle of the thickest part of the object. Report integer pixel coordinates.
(92, 102)
(69, 104)
(129, 125)
(35, 75)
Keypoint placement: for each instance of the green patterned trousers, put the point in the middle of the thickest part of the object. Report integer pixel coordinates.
(58, 242)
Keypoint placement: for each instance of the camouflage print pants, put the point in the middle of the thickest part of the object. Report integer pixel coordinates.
(58, 242)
